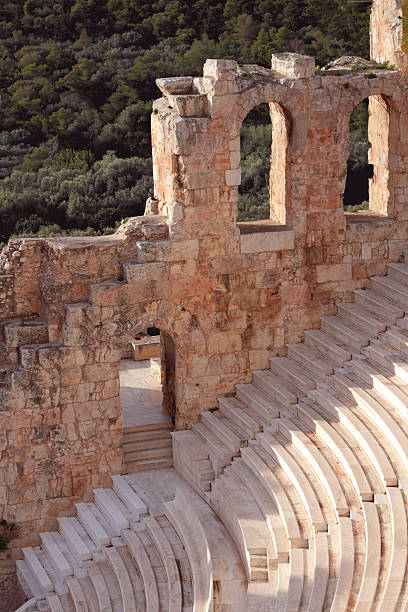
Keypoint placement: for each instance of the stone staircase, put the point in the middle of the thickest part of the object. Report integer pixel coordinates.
(133, 549)
(113, 555)
(148, 446)
(310, 461)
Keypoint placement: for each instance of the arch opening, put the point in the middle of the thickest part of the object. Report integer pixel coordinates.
(264, 143)
(148, 399)
(370, 147)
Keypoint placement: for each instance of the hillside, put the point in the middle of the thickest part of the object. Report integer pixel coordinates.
(77, 79)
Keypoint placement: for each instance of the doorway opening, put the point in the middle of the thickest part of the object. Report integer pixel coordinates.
(148, 400)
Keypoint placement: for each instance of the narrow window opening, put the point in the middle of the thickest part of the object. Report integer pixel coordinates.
(264, 143)
(367, 183)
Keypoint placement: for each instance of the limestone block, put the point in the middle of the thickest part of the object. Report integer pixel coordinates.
(260, 242)
(233, 177)
(193, 105)
(334, 272)
(293, 65)
(175, 85)
(220, 69)
(167, 250)
(223, 342)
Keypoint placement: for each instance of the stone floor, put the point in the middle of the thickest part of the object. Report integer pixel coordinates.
(140, 395)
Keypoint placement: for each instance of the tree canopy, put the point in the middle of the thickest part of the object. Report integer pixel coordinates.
(77, 79)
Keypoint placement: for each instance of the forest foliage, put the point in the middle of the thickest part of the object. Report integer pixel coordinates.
(77, 80)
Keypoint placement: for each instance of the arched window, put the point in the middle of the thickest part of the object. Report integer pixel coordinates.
(370, 146)
(264, 142)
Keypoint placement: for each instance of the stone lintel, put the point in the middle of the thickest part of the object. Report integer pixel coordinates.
(260, 242)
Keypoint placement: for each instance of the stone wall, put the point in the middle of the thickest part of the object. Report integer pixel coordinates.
(386, 32)
(228, 295)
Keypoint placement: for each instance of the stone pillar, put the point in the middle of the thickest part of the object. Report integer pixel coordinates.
(386, 32)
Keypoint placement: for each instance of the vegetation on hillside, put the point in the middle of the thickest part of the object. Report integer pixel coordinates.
(77, 78)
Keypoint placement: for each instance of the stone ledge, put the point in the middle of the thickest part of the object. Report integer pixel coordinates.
(262, 241)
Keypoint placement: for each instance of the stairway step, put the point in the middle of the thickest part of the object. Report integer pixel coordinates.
(399, 272)
(156, 428)
(92, 525)
(348, 334)
(28, 579)
(276, 387)
(390, 288)
(150, 434)
(379, 304)
(259, 405)
(314, 362)
(148, 464)
(55, 554)
(397, 338)
(292, 372)
(111, 507)
(361, 318)
(76, 544)
(229, 438)
(159, 453)
(234, 411)
(145, 445)
(128, 496)
(37, 570)
(327, 345)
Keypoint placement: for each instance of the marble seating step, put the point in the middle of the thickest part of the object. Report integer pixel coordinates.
(327, 345)
(379, 304)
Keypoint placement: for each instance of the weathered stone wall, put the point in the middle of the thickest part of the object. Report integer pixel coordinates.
(226, 294)
(386, 32)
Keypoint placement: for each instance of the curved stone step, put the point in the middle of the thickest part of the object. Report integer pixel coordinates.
(397, 568)
(239, 511)
(275, 490)
(101, 588)
(278, 549)
(360, 433)
(182, 516)
(339, 448)
(372, 564)
(321, 572)
(346, 566)
(298, 478)
(123, 578)
(169, 562)
(317, 461)
(146, 571)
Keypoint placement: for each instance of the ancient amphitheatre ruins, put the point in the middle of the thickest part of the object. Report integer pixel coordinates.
(275, 477)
